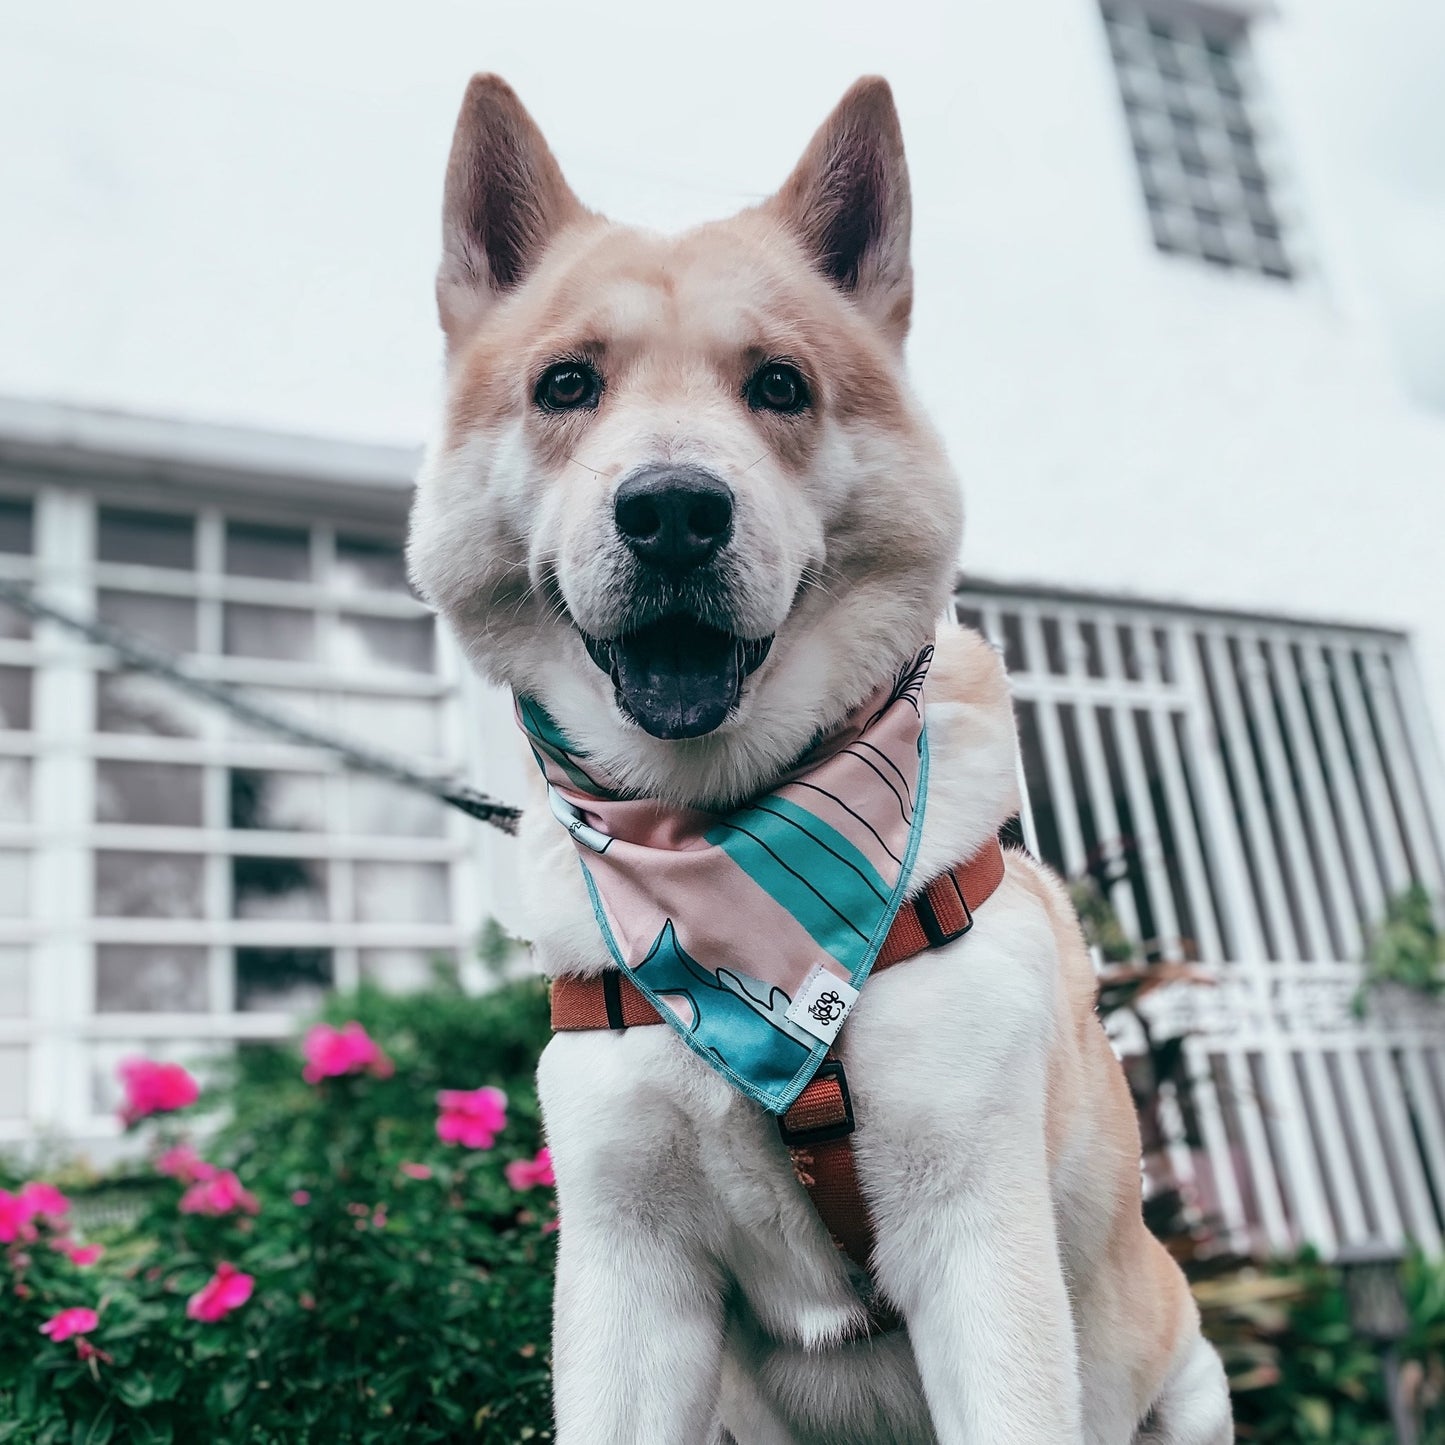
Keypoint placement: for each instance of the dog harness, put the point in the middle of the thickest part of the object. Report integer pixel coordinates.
(751, 932)
(817, 1130)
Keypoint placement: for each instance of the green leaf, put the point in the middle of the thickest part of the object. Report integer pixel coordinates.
(1316, 1413)
(226, 1395)
(98, 1430)
(167, 1381)
(137, 1391)
(148, 1430)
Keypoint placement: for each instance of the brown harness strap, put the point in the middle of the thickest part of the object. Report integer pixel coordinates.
(818, 1128)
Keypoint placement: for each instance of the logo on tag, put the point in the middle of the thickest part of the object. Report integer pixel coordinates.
(822, 1004)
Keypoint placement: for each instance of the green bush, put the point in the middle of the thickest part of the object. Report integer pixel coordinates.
(1298, 1372)
(1406, 950)
(386, 1306)
(392, 1307)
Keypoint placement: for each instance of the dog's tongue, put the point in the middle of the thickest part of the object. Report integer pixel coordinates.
(678, 678)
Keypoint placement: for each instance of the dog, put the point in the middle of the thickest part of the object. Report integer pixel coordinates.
(753, 366)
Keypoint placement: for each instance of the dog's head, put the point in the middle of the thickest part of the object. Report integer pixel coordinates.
(681, 493)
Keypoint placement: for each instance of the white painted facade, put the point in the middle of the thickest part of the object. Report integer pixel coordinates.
(1127, 425)
(241, 227)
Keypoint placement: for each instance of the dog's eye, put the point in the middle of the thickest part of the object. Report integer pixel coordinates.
(568, 386)
(777, 386)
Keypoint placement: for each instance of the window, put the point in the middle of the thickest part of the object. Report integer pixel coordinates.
(150, 539)
(1186, 83)
(152, 978)
(152, 794)
(281, 980)
(17, 525)
(216, 879)
(1248, 794)
(280, 553)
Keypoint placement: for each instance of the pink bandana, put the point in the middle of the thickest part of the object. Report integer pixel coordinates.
(753, 931)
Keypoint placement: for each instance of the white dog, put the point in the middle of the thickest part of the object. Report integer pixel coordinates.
(798, 533)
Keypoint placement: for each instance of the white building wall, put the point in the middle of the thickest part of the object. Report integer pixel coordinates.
(1129, 422)
(1121, 421)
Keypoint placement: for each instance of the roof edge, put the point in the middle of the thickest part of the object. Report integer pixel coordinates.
(61, 436)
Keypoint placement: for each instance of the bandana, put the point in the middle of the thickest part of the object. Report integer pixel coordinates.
(752, 932)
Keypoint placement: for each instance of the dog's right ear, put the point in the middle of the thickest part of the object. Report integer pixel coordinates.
(505, 200)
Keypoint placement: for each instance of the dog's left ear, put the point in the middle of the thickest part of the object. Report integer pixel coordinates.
(848, 202)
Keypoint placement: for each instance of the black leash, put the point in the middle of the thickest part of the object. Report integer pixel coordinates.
(142, 657)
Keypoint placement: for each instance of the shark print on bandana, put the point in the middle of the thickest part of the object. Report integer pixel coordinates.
(724, 919)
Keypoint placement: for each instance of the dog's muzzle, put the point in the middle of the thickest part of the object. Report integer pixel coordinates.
(679, 671)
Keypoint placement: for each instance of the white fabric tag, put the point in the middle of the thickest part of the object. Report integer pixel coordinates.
(822, 1004)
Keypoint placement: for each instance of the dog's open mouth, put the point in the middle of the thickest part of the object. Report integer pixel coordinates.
(678, 678)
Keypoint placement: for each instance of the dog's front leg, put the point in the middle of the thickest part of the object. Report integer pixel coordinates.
(637, 1341)
(977, 1275)
(638, 1323)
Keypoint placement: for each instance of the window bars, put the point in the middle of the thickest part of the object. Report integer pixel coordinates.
(178, 877)
(1248, 793)
(1187, 83)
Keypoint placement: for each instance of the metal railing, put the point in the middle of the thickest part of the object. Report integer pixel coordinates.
(1249, 793)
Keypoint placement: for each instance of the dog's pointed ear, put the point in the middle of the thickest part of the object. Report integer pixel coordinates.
(848, 201)
(505, 200)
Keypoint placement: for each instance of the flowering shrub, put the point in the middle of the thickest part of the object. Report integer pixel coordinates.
(531, 1173)
(331, 1052)
(336, 1265)
(472, 1117)
(394, 1286)
(152, 1088)
(226, 1290)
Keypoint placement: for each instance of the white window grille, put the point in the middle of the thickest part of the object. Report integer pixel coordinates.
(170, 881)
(1249, 793)
(1189, 90)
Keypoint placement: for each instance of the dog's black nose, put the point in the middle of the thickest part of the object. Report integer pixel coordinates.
(674, 517)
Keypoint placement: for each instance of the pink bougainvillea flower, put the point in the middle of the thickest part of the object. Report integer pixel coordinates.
(152, 1088)
(75, 1321)
(331, 1052)
(226, 1290)
(44, 1199)
(182, 1162)
(473, 1117)
(530, 1173)
(552, 1226)
(221, 1194)
(16, 1213)
(81, 1254)
(301, 1197)
(416, 1171)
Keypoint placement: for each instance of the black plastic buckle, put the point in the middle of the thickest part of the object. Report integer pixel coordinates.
(933, 930)
(822, 1133)
(612, 998)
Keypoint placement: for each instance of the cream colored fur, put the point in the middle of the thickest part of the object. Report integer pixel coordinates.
(698, 1296)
